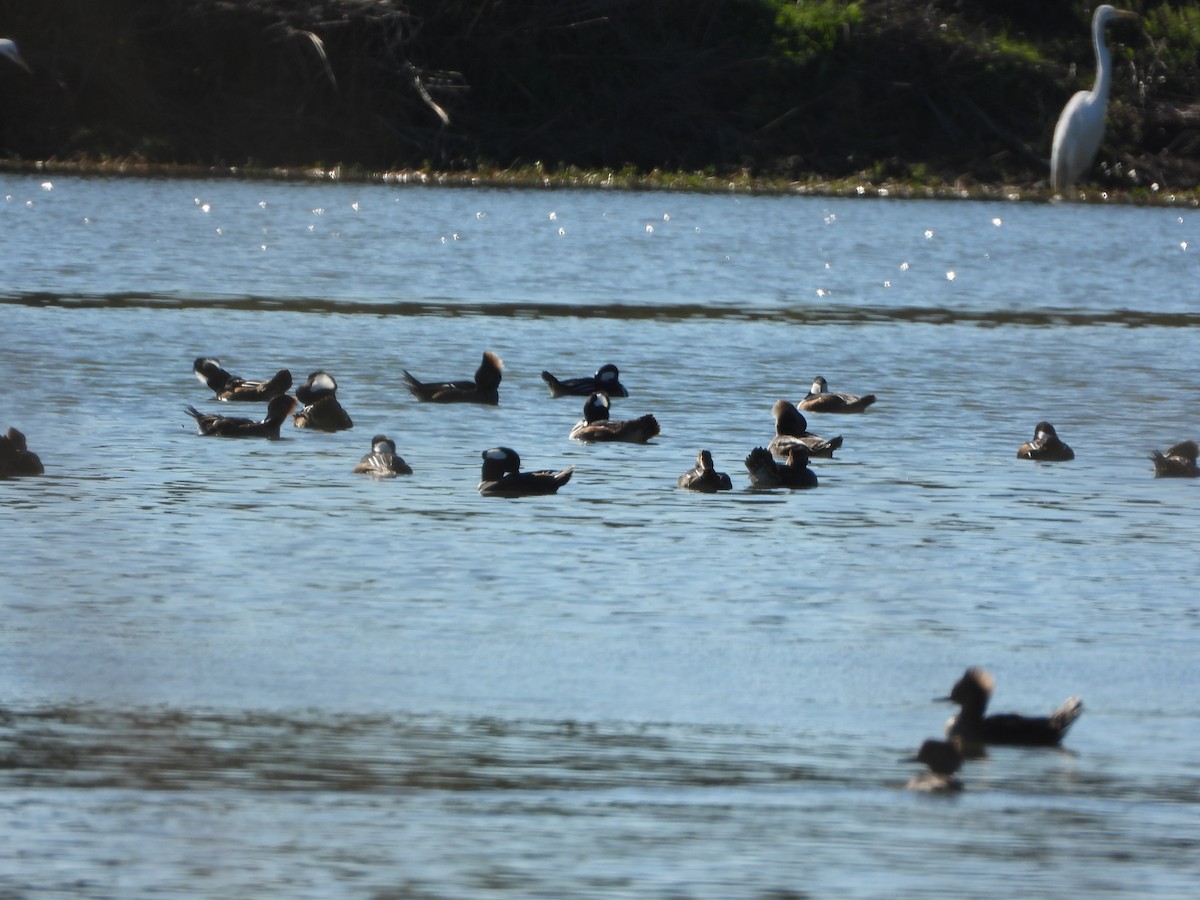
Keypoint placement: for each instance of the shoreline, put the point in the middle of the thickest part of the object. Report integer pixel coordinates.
(536, 177)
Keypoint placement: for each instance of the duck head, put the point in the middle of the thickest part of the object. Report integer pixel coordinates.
(789, 420)
(498, 462)
(595, 408)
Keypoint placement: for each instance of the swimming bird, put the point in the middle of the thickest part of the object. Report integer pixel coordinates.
(766, 473)
(321, 411)
(217, 425)
(597, 426)
(1178, 462)
(792, 428)
(8, 50)
(943, 759)
(821, 399)
(501, 476)
(16, 458)
(382, 461)
(1080, 127)
(1045, 445)
(607, 379)
(704, 477)
(972, 692)
(229, 387)
(484, 389)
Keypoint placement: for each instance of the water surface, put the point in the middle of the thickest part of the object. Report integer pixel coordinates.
(234, 668)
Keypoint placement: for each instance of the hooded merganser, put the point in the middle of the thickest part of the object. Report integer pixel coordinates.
(944, 758)
(971, 726)
(1178, 462)
(792, 428)
(216, 425)
(606, 380)
(1045, 445)
(596, 425)
(382, 461)
(766, 473)
(321, 411)
(821, 399)
(704, 477)
(16, 457)
(501, 476)
(230, 387)
(484, 389)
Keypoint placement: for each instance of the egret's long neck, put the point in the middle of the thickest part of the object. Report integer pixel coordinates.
(1103, 62)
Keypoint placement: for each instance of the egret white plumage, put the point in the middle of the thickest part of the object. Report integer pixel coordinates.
(1080, 127)
(9, 49)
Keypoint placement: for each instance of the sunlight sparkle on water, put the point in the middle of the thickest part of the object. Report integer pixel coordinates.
(950, 276)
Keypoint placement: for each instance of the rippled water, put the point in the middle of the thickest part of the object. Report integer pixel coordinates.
(236, 669)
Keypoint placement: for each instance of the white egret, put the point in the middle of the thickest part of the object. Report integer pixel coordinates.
(9, 49)
(1080, 128)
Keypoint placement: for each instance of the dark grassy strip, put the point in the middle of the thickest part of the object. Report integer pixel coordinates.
(920, 98)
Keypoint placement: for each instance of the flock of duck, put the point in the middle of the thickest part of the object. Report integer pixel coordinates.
(783, 463)
(315, 405)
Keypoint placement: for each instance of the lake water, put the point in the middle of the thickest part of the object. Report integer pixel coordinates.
(236, 669)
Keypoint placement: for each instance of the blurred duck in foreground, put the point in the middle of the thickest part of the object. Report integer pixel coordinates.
(792, 428)
(1045, 445)
(382, 461)
(704, 477)
(484, 389)
(216, 425)
(321, 411)
(1178, 462)
(766, 473)
(16, 458)
(230, 387)
(607, 380)
(821, 399)
(597, 426)
(501, 476)
(943, 759)
(972, 726)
